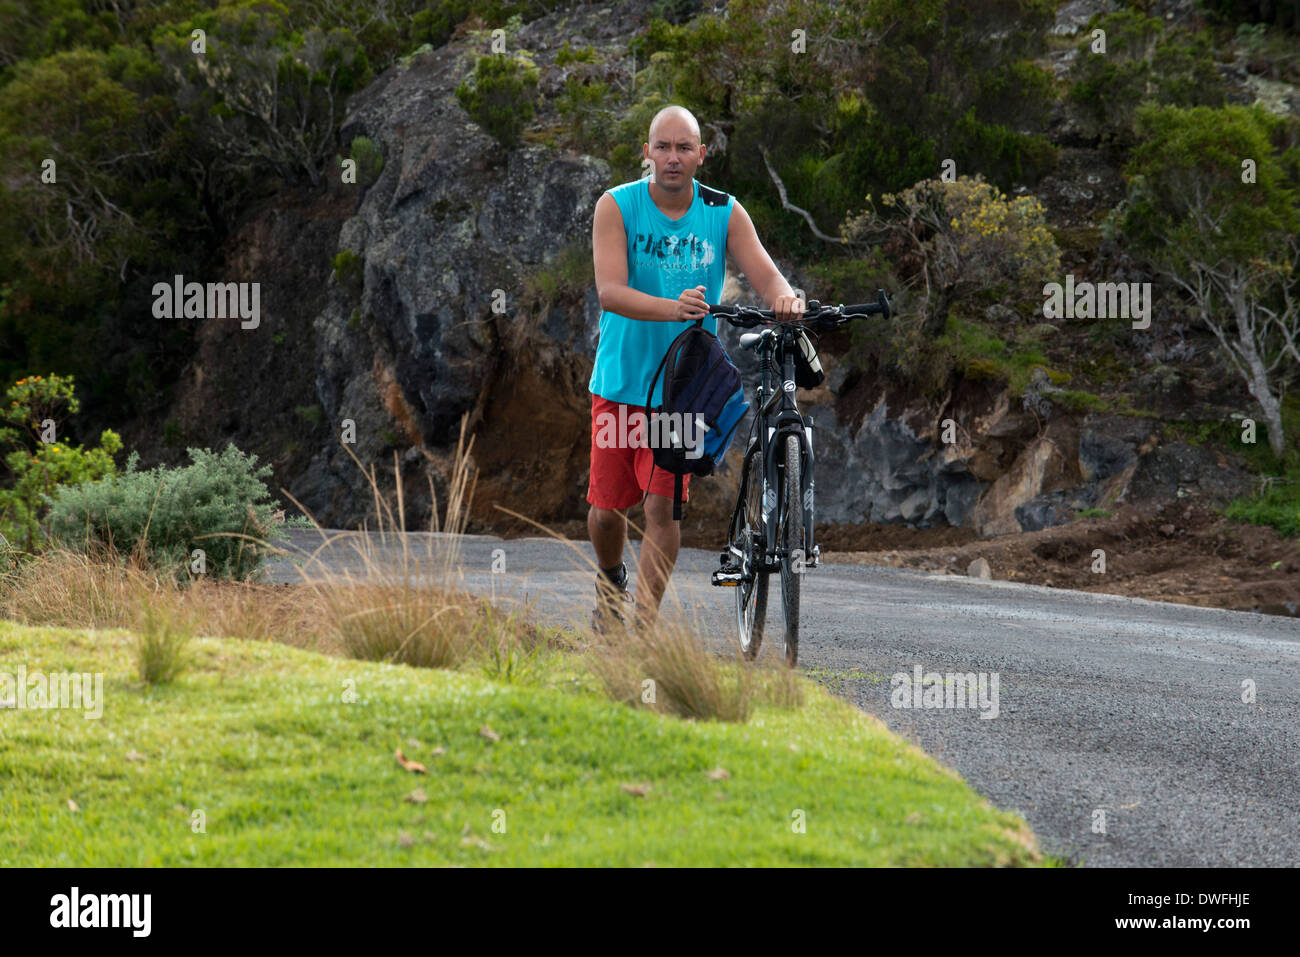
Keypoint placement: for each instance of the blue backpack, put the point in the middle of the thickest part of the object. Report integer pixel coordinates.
(703, 402)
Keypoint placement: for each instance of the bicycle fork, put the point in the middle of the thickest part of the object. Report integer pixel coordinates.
(774, 503)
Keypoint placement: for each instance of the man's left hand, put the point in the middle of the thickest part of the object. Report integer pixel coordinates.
(788, 307)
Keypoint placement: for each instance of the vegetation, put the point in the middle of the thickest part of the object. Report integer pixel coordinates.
(960, 238)
(1141, 62)
(369, 158)
(218, 505)
(501, 96)
(38, 463)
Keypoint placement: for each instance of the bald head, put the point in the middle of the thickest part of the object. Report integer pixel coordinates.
(675, 121)
(676, 152)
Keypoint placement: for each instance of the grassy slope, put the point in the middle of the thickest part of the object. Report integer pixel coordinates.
(257, 735)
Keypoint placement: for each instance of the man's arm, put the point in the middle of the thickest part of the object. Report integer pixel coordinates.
(757, 265)
(609, 247)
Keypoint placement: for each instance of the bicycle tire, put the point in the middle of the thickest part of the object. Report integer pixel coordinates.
(792, 539)
(747, 529)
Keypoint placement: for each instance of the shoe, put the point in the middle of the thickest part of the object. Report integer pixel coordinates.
(613, 602)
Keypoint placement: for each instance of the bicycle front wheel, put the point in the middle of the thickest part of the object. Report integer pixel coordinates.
(748, 538)
(792, 539)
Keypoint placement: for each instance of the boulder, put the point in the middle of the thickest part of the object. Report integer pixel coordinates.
(1039, 468)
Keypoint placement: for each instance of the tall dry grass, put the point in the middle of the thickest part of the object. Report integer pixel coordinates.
(68, 588)
(410, 608)
(415, 609)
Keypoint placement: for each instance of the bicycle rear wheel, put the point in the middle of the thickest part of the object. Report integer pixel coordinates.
(792, 539)
(747, 538)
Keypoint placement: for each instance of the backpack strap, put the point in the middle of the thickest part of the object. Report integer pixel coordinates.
(662, 362)
(677, 479)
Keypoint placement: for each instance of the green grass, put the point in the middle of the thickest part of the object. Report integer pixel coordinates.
(982, 355)
(259, 738)
(1278, 506)
(1092, 513)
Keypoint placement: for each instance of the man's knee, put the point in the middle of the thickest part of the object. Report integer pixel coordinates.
(659, 511)
(607, 519)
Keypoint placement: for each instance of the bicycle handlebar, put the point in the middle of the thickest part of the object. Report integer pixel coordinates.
(815, 314)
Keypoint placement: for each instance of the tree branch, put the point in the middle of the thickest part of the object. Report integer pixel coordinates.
(785, 202)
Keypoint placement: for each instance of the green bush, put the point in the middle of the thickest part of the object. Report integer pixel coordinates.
(566, 55)
(34, 409)
(350, 271)
(500, 99)
(169, 512)
(369, 159)
(1278, 506)
(967, 240)
(1285, 15)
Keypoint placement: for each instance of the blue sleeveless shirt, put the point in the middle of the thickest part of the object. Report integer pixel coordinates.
(664, 257)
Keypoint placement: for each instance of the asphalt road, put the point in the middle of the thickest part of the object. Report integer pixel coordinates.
(1120, 732)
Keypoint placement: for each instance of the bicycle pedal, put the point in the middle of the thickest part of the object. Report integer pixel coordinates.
(727, 579)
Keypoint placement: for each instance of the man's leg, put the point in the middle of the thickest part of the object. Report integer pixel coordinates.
(663, 537)
(607, 529)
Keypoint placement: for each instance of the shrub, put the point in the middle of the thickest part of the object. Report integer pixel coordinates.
(218, 503)
(39, 464)
(500, 99)
(1285, 15)
(1278, 505)
(369, 159)
(566, 55)
(961, 239)
(349, 271)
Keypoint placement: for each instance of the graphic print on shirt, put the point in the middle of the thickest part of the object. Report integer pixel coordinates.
(687, 253)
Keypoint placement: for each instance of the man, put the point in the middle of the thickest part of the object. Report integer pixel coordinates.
(660, 248)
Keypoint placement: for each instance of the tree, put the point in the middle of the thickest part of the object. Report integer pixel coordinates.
(264, 97)
(1142, 62)
(1213, 202)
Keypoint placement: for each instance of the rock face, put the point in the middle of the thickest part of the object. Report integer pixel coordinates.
(1179, 470)
(446, 238)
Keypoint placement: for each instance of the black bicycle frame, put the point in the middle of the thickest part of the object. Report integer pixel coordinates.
(776, 409)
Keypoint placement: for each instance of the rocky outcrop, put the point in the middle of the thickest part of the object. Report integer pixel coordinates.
(446, 238)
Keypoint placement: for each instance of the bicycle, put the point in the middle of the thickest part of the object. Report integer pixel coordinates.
(771, 528)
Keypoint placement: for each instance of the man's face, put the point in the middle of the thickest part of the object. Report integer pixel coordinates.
(676, 153)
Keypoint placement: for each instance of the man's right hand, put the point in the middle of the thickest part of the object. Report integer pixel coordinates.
(691, 305)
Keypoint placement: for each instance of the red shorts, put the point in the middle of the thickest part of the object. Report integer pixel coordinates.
(619, 474)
